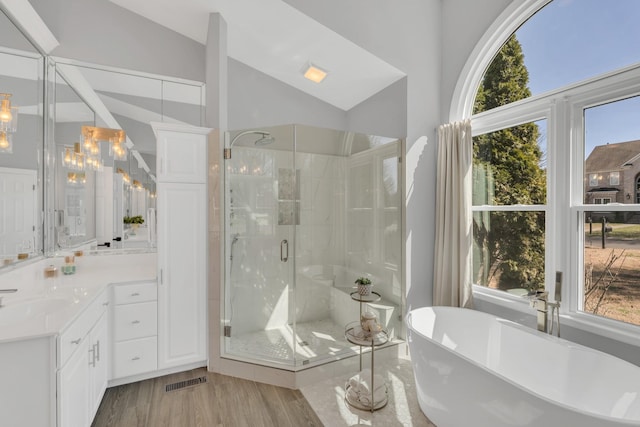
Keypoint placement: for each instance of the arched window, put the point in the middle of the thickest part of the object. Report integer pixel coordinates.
(566, 42)
(555, 118)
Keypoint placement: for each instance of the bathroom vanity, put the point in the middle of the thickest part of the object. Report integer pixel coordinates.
(55, 338)
(120, 318)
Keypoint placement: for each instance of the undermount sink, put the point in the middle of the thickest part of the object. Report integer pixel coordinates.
(20, 311)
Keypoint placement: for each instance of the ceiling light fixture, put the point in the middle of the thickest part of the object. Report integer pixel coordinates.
(8, 123)
(76, 178)
(73, 158)
(314, 73)
(6, 143)
(117, 141)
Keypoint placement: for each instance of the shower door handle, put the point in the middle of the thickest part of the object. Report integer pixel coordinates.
(284, 250)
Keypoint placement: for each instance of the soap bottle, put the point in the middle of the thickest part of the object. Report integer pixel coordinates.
(50, 272)
(69, 267)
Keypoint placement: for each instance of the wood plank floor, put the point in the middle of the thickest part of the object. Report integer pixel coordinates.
(220, 402)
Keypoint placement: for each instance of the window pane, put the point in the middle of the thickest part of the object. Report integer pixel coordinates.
(612, 265)
(509, 166)
(614, 178)
(612, 148)
(557, 46)
(508, 250)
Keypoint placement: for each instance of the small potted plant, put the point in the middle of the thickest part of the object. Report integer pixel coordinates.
(364, 285)
(133, 222)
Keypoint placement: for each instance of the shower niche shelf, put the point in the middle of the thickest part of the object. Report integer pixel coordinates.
(356, 335)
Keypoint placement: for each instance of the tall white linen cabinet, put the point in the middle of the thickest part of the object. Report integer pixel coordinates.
(182, 247)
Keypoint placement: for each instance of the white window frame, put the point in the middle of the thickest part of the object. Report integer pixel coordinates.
(564, 111)
(502, 118)
(593, 180)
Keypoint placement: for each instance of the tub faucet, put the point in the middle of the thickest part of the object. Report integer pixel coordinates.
(540, 303)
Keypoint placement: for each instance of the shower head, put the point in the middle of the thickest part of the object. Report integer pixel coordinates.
(265, 137)
(265, 140)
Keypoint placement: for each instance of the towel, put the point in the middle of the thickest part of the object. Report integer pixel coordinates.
(362, 382)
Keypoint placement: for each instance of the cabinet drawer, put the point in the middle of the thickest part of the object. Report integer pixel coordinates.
(135, 357)
(73, 336)
(134, 293)
(132, 321)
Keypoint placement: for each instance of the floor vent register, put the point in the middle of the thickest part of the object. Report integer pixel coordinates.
(187, 383)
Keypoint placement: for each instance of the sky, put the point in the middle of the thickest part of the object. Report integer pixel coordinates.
(571, 40)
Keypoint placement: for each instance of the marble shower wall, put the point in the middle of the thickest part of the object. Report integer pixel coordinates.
(321, 235)
(374, 215)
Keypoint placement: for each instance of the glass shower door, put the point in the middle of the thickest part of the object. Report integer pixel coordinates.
(260, 193)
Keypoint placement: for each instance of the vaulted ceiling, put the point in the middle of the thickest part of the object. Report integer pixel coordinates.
(279, 40)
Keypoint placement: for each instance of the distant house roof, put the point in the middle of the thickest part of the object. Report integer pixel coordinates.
(612, 157)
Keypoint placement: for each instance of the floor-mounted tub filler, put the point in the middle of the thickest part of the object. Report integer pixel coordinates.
(474, 369)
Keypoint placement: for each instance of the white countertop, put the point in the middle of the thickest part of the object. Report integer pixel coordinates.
(45, 306)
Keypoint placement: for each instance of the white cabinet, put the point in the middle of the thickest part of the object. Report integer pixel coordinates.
(182, 249)
(83, 365)
(182, 261)
(135, 329)
(182, 153)
(98, 363)
(73, 402)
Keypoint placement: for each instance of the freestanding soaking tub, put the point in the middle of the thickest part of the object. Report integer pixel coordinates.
(473, 369)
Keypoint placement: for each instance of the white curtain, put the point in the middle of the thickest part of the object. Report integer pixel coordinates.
(454, 233)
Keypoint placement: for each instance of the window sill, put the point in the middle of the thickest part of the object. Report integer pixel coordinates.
(606, 328)
(503, 299)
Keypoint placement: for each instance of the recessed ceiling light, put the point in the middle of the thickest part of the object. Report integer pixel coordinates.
(315, 74)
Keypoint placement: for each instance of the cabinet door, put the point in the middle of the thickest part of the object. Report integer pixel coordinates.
(182, 299)
(99, 363)
(182, 156)
(73, 396)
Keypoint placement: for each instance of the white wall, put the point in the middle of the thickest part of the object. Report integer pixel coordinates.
(464, 22)
(257, 100)
(383, 114)
(100, 32)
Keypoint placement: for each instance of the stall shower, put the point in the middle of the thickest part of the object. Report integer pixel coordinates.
(307, 211)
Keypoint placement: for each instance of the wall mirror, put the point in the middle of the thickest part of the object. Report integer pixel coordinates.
(21, 146)
(75, 181)
(111, 206)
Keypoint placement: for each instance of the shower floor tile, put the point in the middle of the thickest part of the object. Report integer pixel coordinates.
(314, 340)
